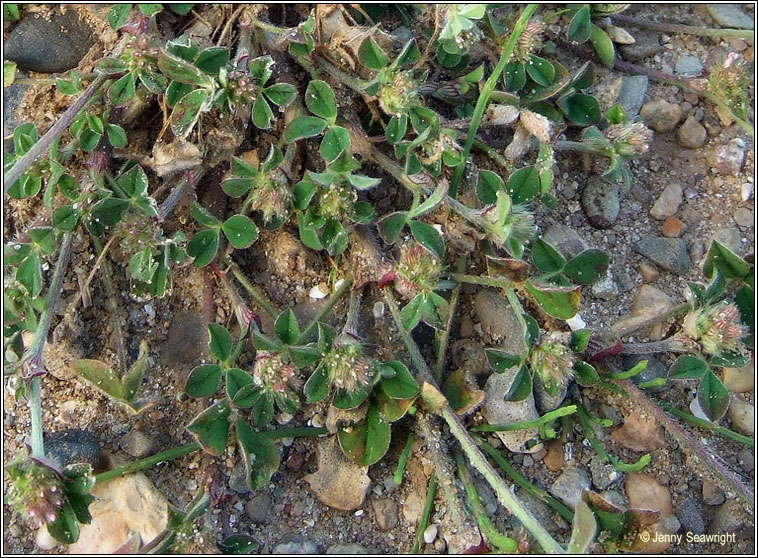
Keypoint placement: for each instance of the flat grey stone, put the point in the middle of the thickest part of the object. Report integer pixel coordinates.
(730, 15)
(647, 44)
(669, 253)
(688, 65)
(49, 46)
(348, 548)
(690, 516)
(565, 240)
(296, 545)
(600, 200)
(259, 508)
(569, 485)
(632, 94)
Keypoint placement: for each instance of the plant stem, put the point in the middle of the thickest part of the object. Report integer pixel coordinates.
(189, 178)
(692, 419)
(600, 450)
(347, 282)
(35, 410)
(250, 288)
(502, 543)
(675, 311)
(294, 432)
(425, 514)
(524, 424)
(55, 131)
(520, 480)
(446, 333)
(583, 147)
(146, 462)
(486, 281)
(357, 85)
(403, 461)
(679, 28)
(705, 455)
(669, 345)
(487, 90)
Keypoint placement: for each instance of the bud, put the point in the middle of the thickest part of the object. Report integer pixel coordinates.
(36, 490)
(553, 362)
(716, 328)
(397, 96)
(272, 196)
(273, 376)
(336, 200)
(418, 271)
(630, 139)
(347, 367)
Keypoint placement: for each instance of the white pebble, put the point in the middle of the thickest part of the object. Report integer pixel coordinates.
(378, 309)
(44, 540)
(319, 291)
(338, 284)
(747, 191)
(287, 442)
(576, 323)
(430, 534)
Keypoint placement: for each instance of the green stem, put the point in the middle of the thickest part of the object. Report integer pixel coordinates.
(54, 132)
(250, 288)
(426, 514)
(501, 543)
(294, 432)
(679, 28)
(600, 450)
(547, 418)
(520, 480)
(35, 409)
(403, 461)
(446, 333)
(707, 425)
(347, 282)
(583, 147)
(486, 281)
(487, 90)
(146, 462)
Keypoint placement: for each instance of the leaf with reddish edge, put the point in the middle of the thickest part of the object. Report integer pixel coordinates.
(613, 350)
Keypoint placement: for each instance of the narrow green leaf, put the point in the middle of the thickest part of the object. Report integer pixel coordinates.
(304, 127)
(212, 59)
(500, 361)
(587, 267)
(712, 396)
(220, 342)
(727, 262)
(580, 26)
(688, 366)
(236, 379)
(262, 114)
(317, 386)
(335, 142)
(396, 128)
(603, 45)
(176, 69)
(559, 302)
(429, 238)
(368, 441)
(546, 258)
(540, 70)
(523, 185)
(391, 225)
(411, 313)
(99, 375)
(334, 237)
(186, 112)
(401, 385)
(371, 56)
(521, 388)
(281, 94)
(118, 15)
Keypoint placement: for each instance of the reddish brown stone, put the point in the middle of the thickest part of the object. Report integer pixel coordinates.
(672, 227)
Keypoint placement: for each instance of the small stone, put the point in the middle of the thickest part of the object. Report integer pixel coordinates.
(649, 272)
(742, 415)
(554, 458)
(639, 433)
(258, 508)
(661, 115)
(603, 474)
(746, 460)
(632, 94)
(669, 253)
(647, 44)
(565, 240)
(712, 494)
(606, 287)
(729, 237)
(746, 191)
(348, 549)
(137, 444)
(498, 320)
(668, 202)
(739, 380)
(688, 66)
(413, 507)
(645, 493)
(238, 479)
(470, 356)
(730, 157)
(430, 533)
(690, 516)
(296, 545)
(730, 15)
(339, 482)
(569, 485)
(692, 134)
(44, 540)
(744, 217)
(726, 518)
(71, 446)
(672, 227)
(386, 512)
(600, 200)
(619, 35)
(543, 400)
(49, 45)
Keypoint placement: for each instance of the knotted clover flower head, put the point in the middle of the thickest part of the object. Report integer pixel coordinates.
(417, 271)
(240, 87)
(36, 490)
(347, 366)
(553, 362)
(530, 41)
(273, 375)
(630, 138)
(336, 200)
(716, 328)
(272, 195)
(398, 94)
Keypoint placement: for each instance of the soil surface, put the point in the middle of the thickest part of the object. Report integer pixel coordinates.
(286, 271)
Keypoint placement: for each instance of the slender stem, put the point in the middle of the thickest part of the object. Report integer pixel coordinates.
(583, 147)
(353, 308)
(669, 345)
(347, 282)
(524, 424)
(692, 419)
(410, 344)
(294, 432)
(600, 450)
(357, 85)
(446, 333)
(487, 90)
(114, 310)
(146, 462)
(425, 514)
(250, 288)
(706, 456)
(74, 303)
(177, 192)
(35, 410)
(55, 131)
(520, 480)
(502, 543)
(486, 281)
(403, 461)
(675, 311)
(679, 28)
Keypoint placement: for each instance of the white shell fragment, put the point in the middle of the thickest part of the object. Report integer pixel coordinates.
(576, 323)
(319, 291)
(430, 534)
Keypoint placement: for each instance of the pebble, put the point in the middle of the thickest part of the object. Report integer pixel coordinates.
(238, 479)
(49, 46)
(497, 410)
(673, 227)
(554, 458)
(348, 549)
(296, 545)
(690, 516)
(569, 485)
(655, 369)
(668, 202)
(339, 482)
(603, 474)
(639, 433)
(688, 66)
(413, 507)
(645, 493)
(136, 444)
(727, 236)
(565, 240)
(430, 533)
(744, 217)
(649, 272)
(470, 356)
(661, 115)
(692, 134)
(746, 459)
(739, 380)
(746, 191)
(712, 494)
(498, 320)
(71, 446)
(600, 200)
(544, 401)
(632, 94)
(258, 508)
(730, 15)
(726, 518)
(606, 287)
(386, 511)
(669, 253)
(742, 415)
(44, 540)
(647, 44)
(730, 157)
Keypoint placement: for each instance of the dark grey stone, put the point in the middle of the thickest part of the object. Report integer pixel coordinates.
(348, 548)
(632, 94)
(73, 446)
(669, 253)
(600, 200)
(648, 44)
(49, 46)
(690, 516)
(259, 507)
